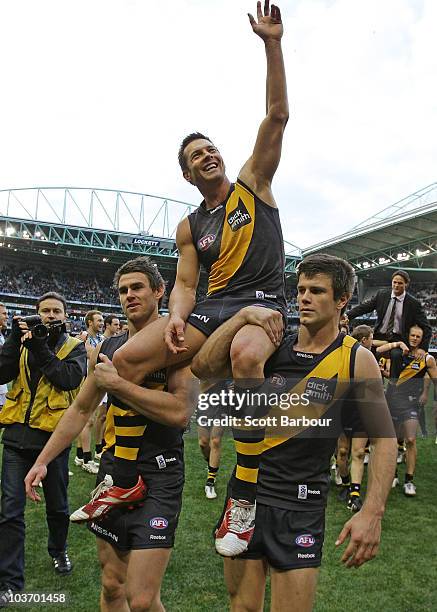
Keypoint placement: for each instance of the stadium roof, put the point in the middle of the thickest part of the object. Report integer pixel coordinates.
(402, 235)
(88, 223)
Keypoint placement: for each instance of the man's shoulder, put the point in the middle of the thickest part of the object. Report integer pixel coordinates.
(412, 300)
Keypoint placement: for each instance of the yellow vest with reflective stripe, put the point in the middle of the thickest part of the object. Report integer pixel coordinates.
(49, 402)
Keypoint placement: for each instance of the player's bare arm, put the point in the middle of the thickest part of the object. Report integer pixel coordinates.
(385, 347)
(260, 168)
(183, 296)
(172, 407)
(69, 427)
(364, 528)
(213, 358)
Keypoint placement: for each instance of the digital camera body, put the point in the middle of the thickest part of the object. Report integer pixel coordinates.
(41, 331)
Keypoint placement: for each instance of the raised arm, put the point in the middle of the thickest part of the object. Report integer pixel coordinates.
(257, 173)
(183, 296)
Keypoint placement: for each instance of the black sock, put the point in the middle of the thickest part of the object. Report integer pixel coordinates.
(355, 488)
(125, 473)
(99, 448)
(409, 478)
(212, 474)
(346, 480)
(79, 452)
(86, 456)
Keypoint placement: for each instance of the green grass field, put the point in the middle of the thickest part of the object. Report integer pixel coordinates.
(401, 578)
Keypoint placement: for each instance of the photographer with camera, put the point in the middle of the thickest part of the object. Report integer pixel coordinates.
(47, 367)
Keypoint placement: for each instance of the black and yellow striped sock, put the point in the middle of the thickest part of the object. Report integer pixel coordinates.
(212, 475)
(249, 440)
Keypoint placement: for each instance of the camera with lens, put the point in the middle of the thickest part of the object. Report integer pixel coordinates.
(41, 331)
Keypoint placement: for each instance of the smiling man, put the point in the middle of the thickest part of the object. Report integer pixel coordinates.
(144, 441)
(235, 235)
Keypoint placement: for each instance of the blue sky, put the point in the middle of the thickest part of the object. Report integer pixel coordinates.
(99, 94)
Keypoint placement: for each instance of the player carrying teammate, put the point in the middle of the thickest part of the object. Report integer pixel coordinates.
(145, 424)
(293, 480)
(404, 396)
(235, 235)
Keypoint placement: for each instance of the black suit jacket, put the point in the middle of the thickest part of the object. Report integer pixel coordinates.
(412, 314)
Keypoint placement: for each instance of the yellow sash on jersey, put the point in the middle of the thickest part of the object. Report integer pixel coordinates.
(234, 244)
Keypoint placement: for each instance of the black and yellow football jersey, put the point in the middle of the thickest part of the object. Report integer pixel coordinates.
(295, 464)
(410, 381)
(151, 446)
(240, 245)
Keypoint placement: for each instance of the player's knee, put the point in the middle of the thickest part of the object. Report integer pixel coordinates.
(342, 453)
(112, 587)
(204, 444)
(410, 441)
(246, 359)
(216, 442)
(358, 454)
(141, 602)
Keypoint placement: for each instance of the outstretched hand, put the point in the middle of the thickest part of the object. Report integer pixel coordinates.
(269, 24)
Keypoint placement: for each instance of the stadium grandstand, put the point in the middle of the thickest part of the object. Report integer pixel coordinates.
(73, 239)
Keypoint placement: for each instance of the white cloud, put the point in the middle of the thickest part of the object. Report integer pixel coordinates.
(100, 94)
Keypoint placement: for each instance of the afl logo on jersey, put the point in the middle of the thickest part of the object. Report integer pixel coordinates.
(158, 522)
(239, 217)
(306, 540)
(205, 242)
(277, 380)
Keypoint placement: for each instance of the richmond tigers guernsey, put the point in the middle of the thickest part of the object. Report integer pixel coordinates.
(410, 381)
(240, 245)
(294, 471)
(133, 437)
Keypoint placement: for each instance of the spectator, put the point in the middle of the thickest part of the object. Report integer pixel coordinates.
(46, 371)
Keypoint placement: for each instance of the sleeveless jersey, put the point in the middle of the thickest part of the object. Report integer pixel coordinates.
(154, 447)
(294, 469)
(240, 245)
(410, 381)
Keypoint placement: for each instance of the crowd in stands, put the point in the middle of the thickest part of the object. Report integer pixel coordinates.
(97, 290)
(33, 282)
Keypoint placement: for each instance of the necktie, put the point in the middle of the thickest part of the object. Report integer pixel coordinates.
(391, 321)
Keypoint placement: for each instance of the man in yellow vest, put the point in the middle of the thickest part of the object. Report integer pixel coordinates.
(47, 367)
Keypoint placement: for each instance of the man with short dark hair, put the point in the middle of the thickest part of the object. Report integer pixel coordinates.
(112, 326)
(235, 235)
(326, 370)
(396, 311)
(47, 370)
(144, 428)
